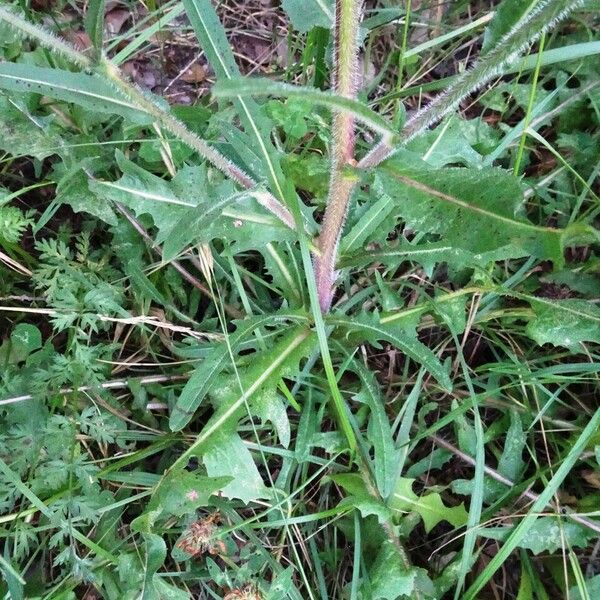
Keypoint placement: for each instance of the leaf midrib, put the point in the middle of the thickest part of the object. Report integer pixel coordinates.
(476, 209)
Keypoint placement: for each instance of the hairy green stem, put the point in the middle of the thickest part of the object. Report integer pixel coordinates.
(342, 181)
(177, 128)
(533, 25)
(107, 69)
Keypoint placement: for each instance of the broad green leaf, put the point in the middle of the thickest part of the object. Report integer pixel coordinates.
(510, 464)
(89, 91)
(592, 587)
(400, 333)
(198, 385)
(21, 133)
(74, 190)
(451, 143)
(189, 209)
(207, 371)
(232, 397)
(545, 535)
(379, 432)
(25, 338)
(306, 14)
(476, 210)
(259, 380)
(393, 577)
(430, 507)
(266, 87)
(194, 223)
(145, 193)
(155, 554)
(506, 15)
(567, 323)
(282, 586)
(167, 591)
(227, 457)
(451, 573)
(184, 492)
(359, 497)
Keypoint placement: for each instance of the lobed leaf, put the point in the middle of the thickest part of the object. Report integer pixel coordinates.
(474, 210)
(402, 335)
(568, 323)
(547, 534)
(219, 358)
(430, 507)
(227, 457)
(379, 431)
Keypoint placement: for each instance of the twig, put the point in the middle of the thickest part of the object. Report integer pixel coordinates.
(509, 483)
(107, 385)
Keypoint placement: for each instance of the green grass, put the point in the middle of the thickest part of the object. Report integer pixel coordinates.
(195, 404)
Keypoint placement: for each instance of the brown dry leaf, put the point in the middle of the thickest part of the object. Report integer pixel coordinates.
(566, 498)
(80, 39)
(130, 68)
(142, 74)
(115, 19)
(195, 74)
(592, 477)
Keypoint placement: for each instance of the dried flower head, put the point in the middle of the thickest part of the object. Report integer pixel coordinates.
(248, 592)
(200, 537)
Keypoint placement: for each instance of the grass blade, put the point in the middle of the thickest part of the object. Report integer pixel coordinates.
(266, 87)
(537, 507)
(94, 24)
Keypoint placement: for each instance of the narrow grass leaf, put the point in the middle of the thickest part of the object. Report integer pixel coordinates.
(267, 87)
(94, 23)
(537, 507)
